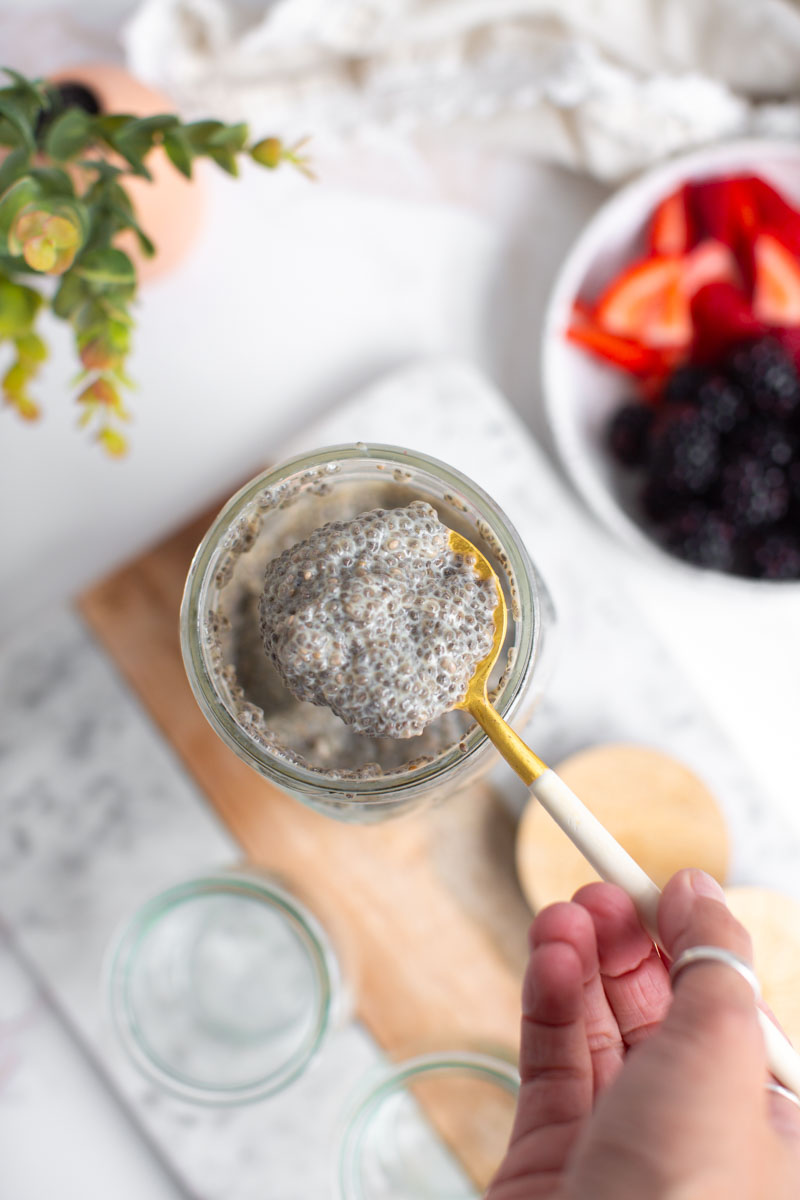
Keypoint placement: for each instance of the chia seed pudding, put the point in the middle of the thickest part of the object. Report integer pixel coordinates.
(378, 619)
(306, 748)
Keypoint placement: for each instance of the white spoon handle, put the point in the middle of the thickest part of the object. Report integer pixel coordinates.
(598, 847)
(615, 865)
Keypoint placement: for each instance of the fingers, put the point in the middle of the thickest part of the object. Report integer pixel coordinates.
(693, 912)
(633, 975)
(554, 1054)
(570, 923)
(555, 1064)
(713, 1014)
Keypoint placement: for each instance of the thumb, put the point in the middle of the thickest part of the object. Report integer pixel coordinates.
(712, 1022)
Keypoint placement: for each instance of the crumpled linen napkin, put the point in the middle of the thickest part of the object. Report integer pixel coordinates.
(606, 86)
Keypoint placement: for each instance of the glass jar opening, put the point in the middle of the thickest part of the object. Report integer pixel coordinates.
(221, 989)
(304, 748)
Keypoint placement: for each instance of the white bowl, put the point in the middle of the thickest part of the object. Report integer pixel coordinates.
(580, 392)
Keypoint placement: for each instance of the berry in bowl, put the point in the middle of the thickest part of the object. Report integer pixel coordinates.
(672, 361)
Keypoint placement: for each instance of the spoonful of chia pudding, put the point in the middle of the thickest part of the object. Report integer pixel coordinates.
(392, 619)
(379, 618)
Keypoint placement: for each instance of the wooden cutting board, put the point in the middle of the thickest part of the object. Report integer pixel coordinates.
(426, 909)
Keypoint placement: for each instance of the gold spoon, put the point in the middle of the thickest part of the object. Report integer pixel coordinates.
(589, 835)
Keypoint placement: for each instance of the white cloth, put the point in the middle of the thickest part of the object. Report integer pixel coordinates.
(605, 86)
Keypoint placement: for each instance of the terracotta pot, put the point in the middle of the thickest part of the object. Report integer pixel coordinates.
(170, 209)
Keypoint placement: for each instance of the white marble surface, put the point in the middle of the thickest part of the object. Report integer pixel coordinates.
(98, 813)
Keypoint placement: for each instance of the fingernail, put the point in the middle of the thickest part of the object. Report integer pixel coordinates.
(705, 885)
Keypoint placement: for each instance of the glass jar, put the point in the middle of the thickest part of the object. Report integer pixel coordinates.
(223, 988)
(305, 750)
(435, 1127)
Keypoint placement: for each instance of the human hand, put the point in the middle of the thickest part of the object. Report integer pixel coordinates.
(628, 1094)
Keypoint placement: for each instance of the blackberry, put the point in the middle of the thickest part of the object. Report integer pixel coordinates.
(684, 451)
(658, 503)
(628, 432)
(776, 555)
(767, 376)
(793, 476)
(701, 536)
(768, 441)
(723, 403)
(684, 383)
(753, 493)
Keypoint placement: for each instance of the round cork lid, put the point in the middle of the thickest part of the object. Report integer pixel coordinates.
(663, 815)
(773, 921)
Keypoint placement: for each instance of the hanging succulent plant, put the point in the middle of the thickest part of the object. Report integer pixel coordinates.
(63, 203)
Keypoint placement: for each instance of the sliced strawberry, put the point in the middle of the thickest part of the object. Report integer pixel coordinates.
(775, 214)
(621, 352)
(776, 291)
(669, 229)
(649, 302)
(721, 316)
(725, 209)
(710, 261)
(643, 300)
(714, 208)
(582, 310)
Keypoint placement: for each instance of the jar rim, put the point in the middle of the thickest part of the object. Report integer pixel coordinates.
(386, 788)
(120, 963)
(387, 1079)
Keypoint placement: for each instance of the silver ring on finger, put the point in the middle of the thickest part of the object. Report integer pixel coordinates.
(780, 1090)
(715, 954)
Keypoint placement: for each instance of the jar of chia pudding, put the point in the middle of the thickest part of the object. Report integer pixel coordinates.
(305, 749)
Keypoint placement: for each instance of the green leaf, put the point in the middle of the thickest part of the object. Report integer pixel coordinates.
(101, 230)
(32, 92)
(133, 155)
(233, 137)
(14, 165)
(18, 308)
(119, 336)
(53, 181)
(107, 267)
(124, 221)
(147, 247)
(135, 140)
(20, 80)
(14, 112)
(110, 123)
(150, 125)
(199, 133)
(115, 196)
(31, 348)
(9, 135)
(70, 295)
(224, 158)
(22, 193)
(132, 146)
(179, 151)
(76, 211)
(102, 169)
(68, 135)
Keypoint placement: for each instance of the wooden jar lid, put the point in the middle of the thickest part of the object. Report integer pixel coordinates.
(662, 814)
(773, 920)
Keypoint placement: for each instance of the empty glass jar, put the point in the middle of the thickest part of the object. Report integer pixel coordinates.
(223, 988)
(435, 1127)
